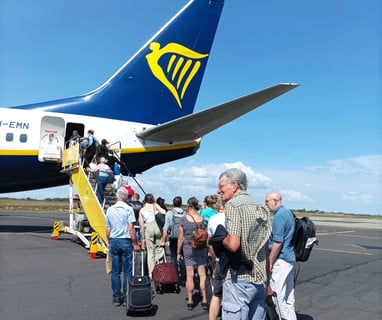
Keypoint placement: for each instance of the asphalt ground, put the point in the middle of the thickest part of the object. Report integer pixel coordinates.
(45, 279)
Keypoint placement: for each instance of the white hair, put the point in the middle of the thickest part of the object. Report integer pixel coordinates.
(122, 194)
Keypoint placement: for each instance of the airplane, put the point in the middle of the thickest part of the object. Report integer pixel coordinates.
(147, 105)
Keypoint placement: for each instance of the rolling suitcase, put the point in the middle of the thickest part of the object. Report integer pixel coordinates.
(139, 293)
(165, 277)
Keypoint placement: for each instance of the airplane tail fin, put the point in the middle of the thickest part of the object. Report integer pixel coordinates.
(161, 81)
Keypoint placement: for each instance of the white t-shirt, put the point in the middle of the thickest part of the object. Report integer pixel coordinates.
(148, 215)
(214, 221)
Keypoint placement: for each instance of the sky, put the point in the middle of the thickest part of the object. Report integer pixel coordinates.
(320, 145)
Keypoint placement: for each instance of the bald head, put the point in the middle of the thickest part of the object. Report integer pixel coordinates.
(273, 200)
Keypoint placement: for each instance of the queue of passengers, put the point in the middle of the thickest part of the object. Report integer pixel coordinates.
(239, 234)
(245, 268)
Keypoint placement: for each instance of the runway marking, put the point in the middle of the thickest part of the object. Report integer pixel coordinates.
(22, 233)
(334, 232)
(363, 237)
(343, 251)
(355, 245)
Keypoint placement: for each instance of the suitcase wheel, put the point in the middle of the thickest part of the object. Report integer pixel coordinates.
(159, 289)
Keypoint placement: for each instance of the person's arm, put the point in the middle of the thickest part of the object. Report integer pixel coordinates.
(164, 237)
(159, 208)
(210, 231)
(108, 234)
(268, 271)
(275, 250)
(180, 243)
(210, 248)
(108, 228)
(133, 236)
(232, 242)
(168, 224)
(142, 226)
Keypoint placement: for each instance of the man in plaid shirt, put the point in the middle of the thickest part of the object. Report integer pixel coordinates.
(248, 225)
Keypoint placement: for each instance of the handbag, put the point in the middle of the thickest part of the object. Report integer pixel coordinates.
(160, 219)
(108, 262)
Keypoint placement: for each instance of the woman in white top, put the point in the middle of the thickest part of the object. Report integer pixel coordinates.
(150, 232)
(104, 175)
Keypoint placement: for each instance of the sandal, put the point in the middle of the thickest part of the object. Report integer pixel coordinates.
(190, 306)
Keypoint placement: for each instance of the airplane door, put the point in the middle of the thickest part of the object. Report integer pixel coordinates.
(52, 139)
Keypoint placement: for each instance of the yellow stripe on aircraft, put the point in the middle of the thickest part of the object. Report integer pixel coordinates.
(19, 153)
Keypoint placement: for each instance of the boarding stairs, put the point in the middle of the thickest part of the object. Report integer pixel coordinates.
(87, 219)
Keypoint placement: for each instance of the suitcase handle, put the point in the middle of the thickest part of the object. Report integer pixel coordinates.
(142, 262)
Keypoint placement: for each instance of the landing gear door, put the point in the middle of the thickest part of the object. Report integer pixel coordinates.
(52, 139)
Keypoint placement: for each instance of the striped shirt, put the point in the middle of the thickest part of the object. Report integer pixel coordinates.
(118, 217)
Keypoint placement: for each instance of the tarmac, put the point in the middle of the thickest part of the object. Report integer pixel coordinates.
(45, 279)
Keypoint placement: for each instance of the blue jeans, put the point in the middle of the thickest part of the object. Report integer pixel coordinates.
(101, 185)
(121, 252)
(179, 265)
(243, 300)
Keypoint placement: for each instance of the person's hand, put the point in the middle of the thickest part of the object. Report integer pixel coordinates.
(269, 291)
(136, 247)
(143, 245)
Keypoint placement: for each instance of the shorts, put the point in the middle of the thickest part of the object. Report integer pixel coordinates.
(218, 281)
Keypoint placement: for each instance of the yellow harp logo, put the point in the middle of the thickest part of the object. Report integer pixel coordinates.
(183, 64)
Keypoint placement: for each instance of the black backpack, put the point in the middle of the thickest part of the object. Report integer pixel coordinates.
(136, 205)
(304, 238)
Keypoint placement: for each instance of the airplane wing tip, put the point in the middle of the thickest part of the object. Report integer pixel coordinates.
(290, 84)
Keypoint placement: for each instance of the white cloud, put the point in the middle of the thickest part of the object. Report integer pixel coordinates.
(345, 185)
(364, 165)
(357, 197)
(352, 185)
(293, 195)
